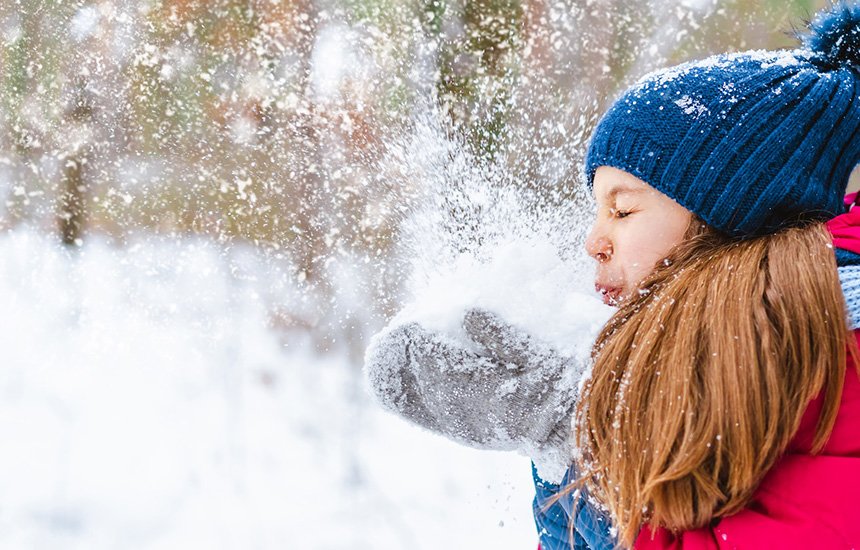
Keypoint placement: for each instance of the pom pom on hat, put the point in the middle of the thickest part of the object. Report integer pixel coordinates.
(835, 35)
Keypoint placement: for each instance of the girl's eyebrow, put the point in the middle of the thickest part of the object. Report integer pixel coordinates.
(620, 188)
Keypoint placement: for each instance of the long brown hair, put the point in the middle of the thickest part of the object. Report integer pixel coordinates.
(700, 381)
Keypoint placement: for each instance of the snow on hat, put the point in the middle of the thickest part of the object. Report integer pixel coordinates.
(750, 141)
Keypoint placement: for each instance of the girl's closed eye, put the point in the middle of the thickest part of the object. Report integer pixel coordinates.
(620, 213)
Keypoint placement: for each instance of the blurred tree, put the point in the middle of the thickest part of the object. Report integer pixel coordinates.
(72, 201)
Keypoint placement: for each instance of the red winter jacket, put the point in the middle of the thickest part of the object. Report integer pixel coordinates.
(805, 502)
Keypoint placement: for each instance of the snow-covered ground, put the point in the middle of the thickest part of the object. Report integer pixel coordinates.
(147, 402)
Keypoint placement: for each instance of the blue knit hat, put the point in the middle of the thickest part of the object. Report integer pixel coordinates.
(751, 141)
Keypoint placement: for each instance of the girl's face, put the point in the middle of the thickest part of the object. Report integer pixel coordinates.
(636, 227)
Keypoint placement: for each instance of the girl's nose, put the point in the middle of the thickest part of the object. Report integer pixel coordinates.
(598, 246)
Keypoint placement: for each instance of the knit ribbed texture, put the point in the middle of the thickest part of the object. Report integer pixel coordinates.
(849, 277)
(750, 142)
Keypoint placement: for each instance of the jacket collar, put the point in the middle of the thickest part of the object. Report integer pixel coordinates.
(845, 228)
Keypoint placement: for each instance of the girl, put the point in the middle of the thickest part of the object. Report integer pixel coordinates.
(723, 410)
(720, 410)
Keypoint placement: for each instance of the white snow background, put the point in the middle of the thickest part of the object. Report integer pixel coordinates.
(147, 402)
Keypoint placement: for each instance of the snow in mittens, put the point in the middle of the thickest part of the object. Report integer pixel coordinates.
(526, 283)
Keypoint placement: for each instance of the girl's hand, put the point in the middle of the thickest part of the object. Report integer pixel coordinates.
(514, 393)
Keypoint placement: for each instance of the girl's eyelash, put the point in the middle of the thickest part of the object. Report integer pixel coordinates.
(619, 213)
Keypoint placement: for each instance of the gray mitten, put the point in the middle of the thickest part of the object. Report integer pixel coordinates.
(513, 393)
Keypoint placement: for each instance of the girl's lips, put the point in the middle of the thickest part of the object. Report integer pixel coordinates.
(610, 294)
